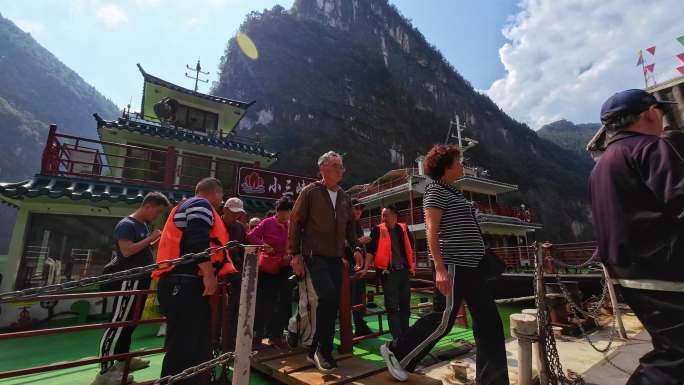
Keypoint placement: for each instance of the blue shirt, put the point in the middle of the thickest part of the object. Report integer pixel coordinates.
(130, 229)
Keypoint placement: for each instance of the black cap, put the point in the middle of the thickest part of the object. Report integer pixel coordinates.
(628, 102)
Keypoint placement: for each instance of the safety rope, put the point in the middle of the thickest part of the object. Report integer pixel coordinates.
(32, 292)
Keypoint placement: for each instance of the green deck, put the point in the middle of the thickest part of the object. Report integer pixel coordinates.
(41, 350)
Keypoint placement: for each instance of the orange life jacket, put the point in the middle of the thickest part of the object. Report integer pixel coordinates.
(169, 245)
(383, 255)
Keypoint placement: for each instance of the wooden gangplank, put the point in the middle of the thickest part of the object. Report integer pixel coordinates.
(291, 367)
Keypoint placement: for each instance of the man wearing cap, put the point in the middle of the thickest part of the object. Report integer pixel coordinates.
(637, 192)
(232, 210)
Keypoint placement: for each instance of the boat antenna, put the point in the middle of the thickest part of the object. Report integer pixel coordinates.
(456, 125)
(197, 70)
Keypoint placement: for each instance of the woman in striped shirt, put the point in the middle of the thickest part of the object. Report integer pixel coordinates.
(457, 249)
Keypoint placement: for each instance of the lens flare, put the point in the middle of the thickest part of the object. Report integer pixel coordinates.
(247, 46)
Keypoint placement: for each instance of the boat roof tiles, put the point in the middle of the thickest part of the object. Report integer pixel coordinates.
(216, 99)
(56, 187)
(78, 189)
(152, 128)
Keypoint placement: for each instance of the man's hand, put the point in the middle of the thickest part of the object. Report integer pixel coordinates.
(358, 261)
(364, 240)
(210, 284)
(442, 280)
(297, 264)
(287, 258)
(267, 248)
(154, 235)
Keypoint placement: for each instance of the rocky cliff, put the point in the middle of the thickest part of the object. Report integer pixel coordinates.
(355, 76)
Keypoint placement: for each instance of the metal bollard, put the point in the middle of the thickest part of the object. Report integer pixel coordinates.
(524, 329)
(536, 357)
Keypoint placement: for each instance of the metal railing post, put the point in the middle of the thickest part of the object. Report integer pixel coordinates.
(613, 301)
(346, 335)
(245, 326)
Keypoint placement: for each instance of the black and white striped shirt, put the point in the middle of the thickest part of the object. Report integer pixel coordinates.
(193, 208)
(460, 240)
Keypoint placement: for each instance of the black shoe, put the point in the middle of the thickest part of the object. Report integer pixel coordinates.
(324, 364)
(292, 339)
(362, 331)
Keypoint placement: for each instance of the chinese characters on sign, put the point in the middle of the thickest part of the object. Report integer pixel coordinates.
(264, 184)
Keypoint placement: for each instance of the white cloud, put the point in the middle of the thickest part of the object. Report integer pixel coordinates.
(564, 58)
(148, 4)
(32, 27)
(111, 15)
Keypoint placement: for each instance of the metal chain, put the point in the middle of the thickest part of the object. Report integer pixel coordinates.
(592, 313)
(223, 359)
(113, 277)
(547, 341)
(586, 263)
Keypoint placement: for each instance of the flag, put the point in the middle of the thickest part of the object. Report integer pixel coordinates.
(651, 50)
(641, 58)
(681, 69)
(681, 56)
(681, 39)
(650, 67)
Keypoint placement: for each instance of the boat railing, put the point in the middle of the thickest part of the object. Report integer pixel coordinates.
(72, 156)
(415, 215)
(136, 320)
(374, 188)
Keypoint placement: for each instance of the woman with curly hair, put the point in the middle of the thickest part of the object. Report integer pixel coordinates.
(457, 249)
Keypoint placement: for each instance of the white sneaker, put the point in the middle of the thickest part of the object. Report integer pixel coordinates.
(136, 364)
(111, 377)
(162, 330)
(393, 364)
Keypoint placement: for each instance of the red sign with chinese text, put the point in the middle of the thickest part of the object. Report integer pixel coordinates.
(265, 184)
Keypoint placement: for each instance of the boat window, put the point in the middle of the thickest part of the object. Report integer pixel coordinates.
(196, 119)
(226, 172)
(193, 169)
(144, 164)
(62, 248)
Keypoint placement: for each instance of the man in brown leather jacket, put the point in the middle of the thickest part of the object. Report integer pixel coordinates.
(320, 223)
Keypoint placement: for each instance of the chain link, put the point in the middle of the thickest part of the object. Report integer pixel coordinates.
(223, 359)
(113, 277)
(586, 263)
(547, 341)
(593, 313)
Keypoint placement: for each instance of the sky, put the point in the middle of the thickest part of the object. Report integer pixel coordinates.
(539, 60)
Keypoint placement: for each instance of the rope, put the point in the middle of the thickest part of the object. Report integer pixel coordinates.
(113, 277)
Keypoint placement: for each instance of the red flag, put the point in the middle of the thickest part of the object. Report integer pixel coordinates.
(681, 56)
(641, 58)
(651, 50)
(650, 67)
(681, 69)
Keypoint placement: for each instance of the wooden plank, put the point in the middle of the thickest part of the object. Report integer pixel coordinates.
(385, 378)
(294, 369)
(347, 370)
(272, 353)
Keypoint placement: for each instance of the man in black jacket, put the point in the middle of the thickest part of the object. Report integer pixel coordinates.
(637, 192)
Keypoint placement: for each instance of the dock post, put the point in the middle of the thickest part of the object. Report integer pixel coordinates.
(616, 307)
(524, 329)
(536, 358)
(245, 326)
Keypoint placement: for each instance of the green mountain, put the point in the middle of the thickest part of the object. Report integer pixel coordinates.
(36, 89)
(356, 76)
(570, 136)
